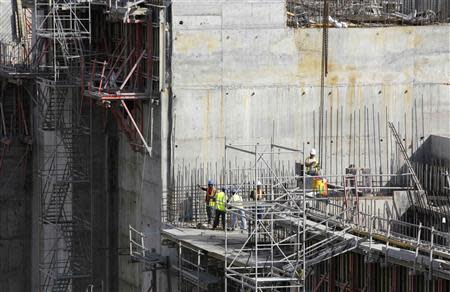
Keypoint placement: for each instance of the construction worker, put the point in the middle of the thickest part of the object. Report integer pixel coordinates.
(221, 202)
(312, 164)
(238, 210)
(209, 199)
(258, 195)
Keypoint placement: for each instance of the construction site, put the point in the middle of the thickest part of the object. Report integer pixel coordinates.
(316, 132)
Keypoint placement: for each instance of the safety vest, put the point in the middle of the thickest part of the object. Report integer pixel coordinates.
(313, 167)
(320, 185)
(221, 201)
(236, 200)
(210, 193)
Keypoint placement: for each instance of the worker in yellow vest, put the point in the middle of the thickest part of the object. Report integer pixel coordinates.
(320, 186)
(221, 205)
(312, 163)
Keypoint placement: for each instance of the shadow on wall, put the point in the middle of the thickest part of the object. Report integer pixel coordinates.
(434, 150)
(431, 163)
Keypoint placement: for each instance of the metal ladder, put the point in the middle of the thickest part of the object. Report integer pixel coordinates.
(405, 156)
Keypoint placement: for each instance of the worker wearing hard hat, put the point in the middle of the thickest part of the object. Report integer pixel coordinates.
(209, 199)
(258, 195)
(220, 206)
(312, 163)
(236, 203)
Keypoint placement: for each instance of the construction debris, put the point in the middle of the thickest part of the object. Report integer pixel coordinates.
(308, 13)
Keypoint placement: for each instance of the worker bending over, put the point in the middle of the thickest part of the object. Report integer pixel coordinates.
(221, 202)
(209, 199)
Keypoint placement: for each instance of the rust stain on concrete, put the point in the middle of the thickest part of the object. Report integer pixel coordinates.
(309, 54)
(351, 92)
(197, 42)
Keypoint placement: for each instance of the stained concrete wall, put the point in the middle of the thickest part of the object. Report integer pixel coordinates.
(238, 70)
(140, 185)
(15, 202)
(239, 73)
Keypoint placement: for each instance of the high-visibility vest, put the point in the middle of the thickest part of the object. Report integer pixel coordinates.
(221, 201)
(236, 200)
(314, 165)
(212, 203)
(320, 185)
(210, 193)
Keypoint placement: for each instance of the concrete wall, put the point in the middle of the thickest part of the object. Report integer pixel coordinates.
(7, 21)
(435, 148)
(15, 220)
(238, 70)
(239, 73)
(140, 185)
(15, 203)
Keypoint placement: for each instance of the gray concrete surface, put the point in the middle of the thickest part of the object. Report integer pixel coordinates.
(140, 180)
(238, 73)
(238, 70)
(15, 207)
(435, 148)
(6, 21)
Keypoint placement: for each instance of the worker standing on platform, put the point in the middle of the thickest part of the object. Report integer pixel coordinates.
(209, 199)
(258, 195)
(221, 202)
(238, 210)
(312, 163)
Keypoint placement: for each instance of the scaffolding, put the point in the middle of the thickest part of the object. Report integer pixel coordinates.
(297, 227)
(279, 249)
(140, 253)
(63, 30)
(125, 75)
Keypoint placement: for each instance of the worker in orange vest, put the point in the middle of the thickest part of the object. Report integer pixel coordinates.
(209, 199)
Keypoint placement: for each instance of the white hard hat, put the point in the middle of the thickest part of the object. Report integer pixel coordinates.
(312, 152)
(258, 183)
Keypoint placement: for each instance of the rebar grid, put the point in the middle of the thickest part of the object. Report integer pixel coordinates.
(288, 227)
(304, 13)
